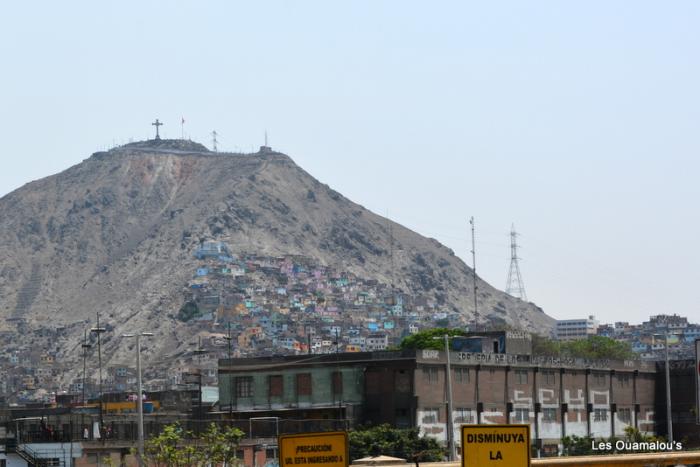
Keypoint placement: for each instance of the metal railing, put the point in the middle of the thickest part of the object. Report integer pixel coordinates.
(40, 459)
(126, 429)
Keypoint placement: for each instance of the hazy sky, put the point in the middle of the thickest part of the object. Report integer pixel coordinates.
(577, 121)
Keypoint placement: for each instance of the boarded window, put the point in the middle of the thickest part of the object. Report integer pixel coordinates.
(304, 384)
(337, 382)
(244, 386)
(276, 385)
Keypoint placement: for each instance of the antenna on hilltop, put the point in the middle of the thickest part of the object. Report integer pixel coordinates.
(515, 286)
(214, 134)
(390, 228)
(476, 307)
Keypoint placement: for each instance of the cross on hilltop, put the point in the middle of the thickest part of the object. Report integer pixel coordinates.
(157, 124)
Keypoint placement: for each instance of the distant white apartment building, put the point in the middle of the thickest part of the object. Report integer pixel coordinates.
(376, 341)
(570, 329)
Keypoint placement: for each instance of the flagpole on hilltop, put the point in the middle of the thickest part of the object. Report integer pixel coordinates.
(182, 124)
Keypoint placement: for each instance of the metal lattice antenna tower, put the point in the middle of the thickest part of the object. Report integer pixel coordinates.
(214, 134)
(476, 308)
(390, 230)
(515, 286)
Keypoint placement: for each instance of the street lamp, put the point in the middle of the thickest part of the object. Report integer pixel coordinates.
(139, 403)
(450, 423)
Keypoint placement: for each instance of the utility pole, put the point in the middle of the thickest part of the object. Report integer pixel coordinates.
(515, 286)
(230, 405)
(200, 351)
(476, 306)
(85, 347)
(99, 330)
(139, 403)
(308, 339)
(449, 422)
(669, 414)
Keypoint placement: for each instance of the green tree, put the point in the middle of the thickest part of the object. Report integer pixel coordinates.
(593, 347)
(405, 443)
(166, 448)
(188, 311)
(426, 339)
(600, 348)
(545, 346)
(578, 445)
(174, 447)
(219, 446)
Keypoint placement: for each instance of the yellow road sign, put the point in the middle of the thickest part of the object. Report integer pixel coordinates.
(491, 445)
(314, 450)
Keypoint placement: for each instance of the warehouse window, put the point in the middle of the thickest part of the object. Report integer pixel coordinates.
(521, 376)
(430, 415)
(522, 416)
(624, 415)
(462, 375)
(430, 375)
(599, 379)
(549, 415)
(623, 379)
(463, 415)
(244, 386)
(548, 378)
(600, 415)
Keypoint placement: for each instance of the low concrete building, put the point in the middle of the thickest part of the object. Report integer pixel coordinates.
(557, 397)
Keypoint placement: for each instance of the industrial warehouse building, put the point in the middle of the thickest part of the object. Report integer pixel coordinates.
(495, 379)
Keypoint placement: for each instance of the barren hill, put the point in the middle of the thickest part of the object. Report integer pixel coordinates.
(116, 234)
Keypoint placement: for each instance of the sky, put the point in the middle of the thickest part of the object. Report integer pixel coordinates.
(575, 121)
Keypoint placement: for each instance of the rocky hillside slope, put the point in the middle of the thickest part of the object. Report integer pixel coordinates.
(116, 234)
